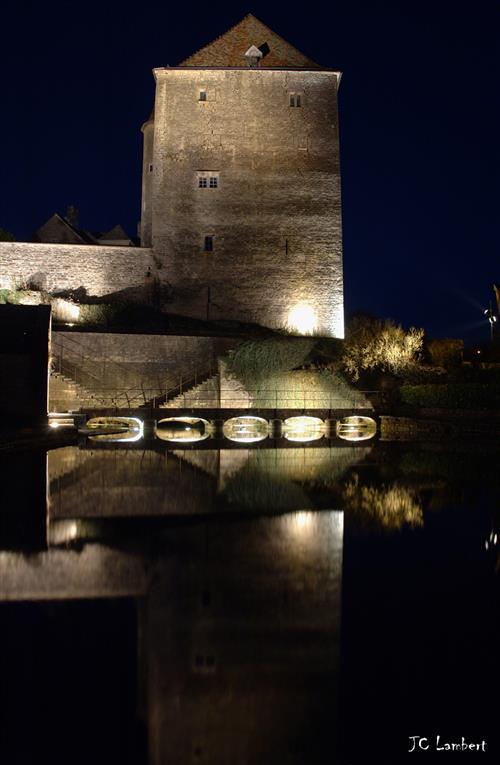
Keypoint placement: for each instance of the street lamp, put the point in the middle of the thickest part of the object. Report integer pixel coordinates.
(492, 319)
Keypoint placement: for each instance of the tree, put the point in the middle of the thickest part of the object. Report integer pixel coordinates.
(6, 236)
(379, 344)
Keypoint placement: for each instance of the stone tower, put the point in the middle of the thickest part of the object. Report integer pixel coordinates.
(241, 184)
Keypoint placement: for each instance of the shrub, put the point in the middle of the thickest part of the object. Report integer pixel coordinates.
(452, 395)
(255, 361)
(380, 344)
(446, 352)
(6, 236)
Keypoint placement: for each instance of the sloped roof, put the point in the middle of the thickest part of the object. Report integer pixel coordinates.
(58, 229)
(229, 49)
(117, 232)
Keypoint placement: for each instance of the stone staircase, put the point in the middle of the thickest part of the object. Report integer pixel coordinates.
(204, 394)
(65, 395)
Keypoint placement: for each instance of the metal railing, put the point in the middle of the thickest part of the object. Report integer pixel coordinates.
(70, 358)
(228, 398)
(140, 397)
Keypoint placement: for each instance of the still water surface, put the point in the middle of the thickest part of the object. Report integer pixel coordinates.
(253, 605)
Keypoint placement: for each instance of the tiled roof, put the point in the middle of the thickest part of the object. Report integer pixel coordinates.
(229, 49)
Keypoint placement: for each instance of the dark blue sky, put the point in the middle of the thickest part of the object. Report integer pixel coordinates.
(419, 120)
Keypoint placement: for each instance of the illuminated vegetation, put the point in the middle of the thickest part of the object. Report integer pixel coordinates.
(255, 361)
(380, 344)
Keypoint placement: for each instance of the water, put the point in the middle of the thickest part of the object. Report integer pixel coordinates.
(248, 605)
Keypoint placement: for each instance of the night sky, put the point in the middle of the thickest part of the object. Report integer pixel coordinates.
(419, 130)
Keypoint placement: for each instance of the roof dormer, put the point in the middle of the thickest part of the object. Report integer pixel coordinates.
(253, 56)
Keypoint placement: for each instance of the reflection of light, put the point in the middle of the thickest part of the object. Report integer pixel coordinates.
(495, 539)
(303, 519)
(302, 318)
(62, 532)
(132, 429)
(310, 527)
(247, 429)
(356, 428)
(60, 422)
(70, 323)
(486, 544)
(175, 429)
(303, 428)
(299, 525)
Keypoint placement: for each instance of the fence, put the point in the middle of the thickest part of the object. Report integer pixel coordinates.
(132, 398)
(70, 359)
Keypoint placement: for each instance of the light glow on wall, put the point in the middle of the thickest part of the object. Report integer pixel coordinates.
(302, 319)
(337, 325)
(65, 311)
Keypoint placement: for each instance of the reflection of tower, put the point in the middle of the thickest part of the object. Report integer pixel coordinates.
(243, 642)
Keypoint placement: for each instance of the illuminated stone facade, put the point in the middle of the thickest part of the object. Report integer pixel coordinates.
(241, 185)
(241, 214)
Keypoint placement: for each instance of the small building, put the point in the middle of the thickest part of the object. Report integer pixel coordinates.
(60, 229)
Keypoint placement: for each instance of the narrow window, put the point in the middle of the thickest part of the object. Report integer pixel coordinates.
(203, 95)
(209, 244)
(295, 99)
(151, 168)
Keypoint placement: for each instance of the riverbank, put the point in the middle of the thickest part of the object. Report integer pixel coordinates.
(438, 424)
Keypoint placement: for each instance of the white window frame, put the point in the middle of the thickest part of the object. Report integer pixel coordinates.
(207, 179)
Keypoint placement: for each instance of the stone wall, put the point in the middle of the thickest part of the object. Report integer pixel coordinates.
(275, 215)
(128, 370)
(60, 267)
